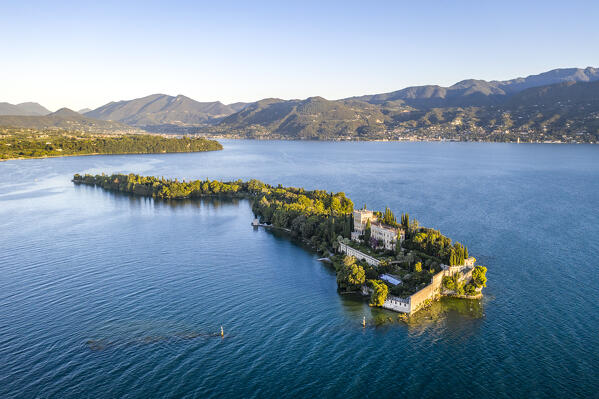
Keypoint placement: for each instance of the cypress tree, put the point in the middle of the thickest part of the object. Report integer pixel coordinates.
(405, 221)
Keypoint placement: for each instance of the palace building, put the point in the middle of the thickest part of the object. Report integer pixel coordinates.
(386, 235)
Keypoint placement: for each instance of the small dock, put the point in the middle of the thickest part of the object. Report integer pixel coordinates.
(257, 224)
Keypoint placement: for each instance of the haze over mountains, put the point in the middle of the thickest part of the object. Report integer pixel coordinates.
(28, 108)
(159, 109)
(473, 92)
(66, 119)
(560, 100)
(368, 116)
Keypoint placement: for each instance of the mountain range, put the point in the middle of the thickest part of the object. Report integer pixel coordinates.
(28, 108)
(66, 119)
(159, 109)
(560, 101)
(474, 92)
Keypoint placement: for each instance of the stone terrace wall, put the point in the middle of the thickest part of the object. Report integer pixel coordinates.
(429, 292)
(346, 249)
(433, 290)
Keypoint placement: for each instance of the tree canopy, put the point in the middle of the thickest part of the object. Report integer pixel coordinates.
(479, 276)
(42, 144)
(351, 275)
(379, 294)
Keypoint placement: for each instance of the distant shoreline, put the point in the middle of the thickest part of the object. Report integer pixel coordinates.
(101, 153)
(38, 145)
(387, 140)
(313, 141)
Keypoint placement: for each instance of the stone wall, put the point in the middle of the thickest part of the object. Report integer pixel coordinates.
(397, 304)
(346, 249)
(431, 291)
(416, 300)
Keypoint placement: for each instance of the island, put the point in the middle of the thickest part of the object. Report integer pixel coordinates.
(400, 266)
(31, 143)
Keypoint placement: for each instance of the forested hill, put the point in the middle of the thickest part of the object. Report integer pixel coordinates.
(18, 143)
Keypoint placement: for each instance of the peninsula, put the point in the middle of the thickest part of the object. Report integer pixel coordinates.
(401, 265)
(16, 143)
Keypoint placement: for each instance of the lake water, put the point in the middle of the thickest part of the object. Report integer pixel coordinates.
(110, 296)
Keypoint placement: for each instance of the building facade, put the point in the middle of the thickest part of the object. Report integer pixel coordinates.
(361, 217)
(386, 235)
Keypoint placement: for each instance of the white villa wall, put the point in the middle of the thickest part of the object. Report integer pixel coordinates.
(386, 235)
(346, 249)
(397, 304)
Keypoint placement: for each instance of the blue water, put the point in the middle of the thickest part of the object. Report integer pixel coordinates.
(107, 296)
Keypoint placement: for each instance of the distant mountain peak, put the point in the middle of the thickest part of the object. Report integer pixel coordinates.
(23, 109)
(162, 109)
(66, 113)
(316, 99)
(477, 92)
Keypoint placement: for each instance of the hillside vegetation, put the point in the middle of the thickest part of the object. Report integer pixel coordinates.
(561, 105)
(565, 112)
(19, 143)
(65, 119)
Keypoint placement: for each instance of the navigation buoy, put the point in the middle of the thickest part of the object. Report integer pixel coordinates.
(364, 322)
(222, 332)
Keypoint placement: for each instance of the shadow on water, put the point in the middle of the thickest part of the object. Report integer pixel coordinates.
(445, 311)
(100, 344)
(137, 200)
(118, 335)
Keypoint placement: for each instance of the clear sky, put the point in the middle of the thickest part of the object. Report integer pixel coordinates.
(85, 54)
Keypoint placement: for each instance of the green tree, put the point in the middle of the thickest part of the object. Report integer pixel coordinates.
(452, 258)
(351, 275)
(367, 232)
(389, 217)
(418, 267)
(448, 283)
(470, 289)
(479, 276)
(379, 293)
(405, 221)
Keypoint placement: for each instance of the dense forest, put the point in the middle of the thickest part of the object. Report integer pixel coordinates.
(23, 143)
